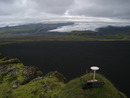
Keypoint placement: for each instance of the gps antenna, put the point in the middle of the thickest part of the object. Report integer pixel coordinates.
(94, 68)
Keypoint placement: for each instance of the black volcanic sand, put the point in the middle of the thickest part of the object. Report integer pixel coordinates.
(73, 58)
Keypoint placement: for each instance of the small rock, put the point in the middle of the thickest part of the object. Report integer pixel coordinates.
(38, 78)
(15, 85)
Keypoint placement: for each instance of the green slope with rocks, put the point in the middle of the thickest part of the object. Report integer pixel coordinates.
(19, 81)
(73, 89)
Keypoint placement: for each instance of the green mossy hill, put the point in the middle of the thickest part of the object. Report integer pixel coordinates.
(19, 81)
(73, 89)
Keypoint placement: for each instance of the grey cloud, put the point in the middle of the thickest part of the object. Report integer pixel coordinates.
(22, 10)
(40, 6)
(7, 1)
(102, 8)
(53, 6)
(16, 7)
(8, 7)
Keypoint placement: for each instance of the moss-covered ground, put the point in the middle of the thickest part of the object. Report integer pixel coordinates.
(19, 81)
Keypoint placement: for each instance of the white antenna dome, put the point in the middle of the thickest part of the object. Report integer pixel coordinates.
(95, 68)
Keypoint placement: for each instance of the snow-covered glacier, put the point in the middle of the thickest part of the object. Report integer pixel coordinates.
(93, 26)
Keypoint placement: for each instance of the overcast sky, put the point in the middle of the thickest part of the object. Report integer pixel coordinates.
(22, 11)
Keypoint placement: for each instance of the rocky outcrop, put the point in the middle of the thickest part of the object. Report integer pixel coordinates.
(9, 70)
(29, 73)
(57, 75)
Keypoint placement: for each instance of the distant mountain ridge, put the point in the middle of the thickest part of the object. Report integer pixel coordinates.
(45, 29)
(42, 32)
(31, 29)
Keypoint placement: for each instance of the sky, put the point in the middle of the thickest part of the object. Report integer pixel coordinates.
(29, 11)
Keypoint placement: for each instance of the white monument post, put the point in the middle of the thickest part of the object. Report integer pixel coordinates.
(94, 68)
